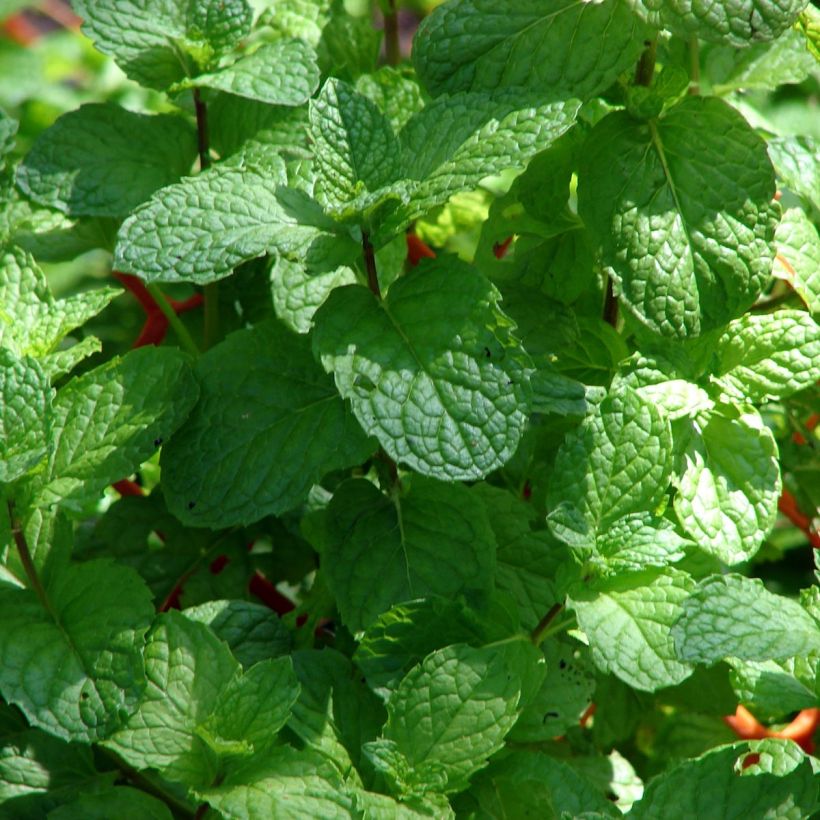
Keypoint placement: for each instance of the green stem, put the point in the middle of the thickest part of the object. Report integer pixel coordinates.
(646, 65)
(27, 561)
(694, 66)
(173, 320)
(539, 632)
(370, 265)
(392, 47)
(210, 331)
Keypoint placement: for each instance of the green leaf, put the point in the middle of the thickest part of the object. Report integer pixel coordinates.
(356, 151)
(528, 560)
(298, 293)
(734, 23)
(728, 486)
(403, 635)
(433, 371)
(628, 620)
(490, 44)
(776, 688)
(122, 802)
(199, 708)
(717, 785)
(8, 132)
(564, 696)
(159, 42)
(688, 248)
(433, 539)
(280, 73)
(252, 631)
(617, 462)
(38, 771)
(291, 430)
(798, 257)
(336, 713)
(25, 415)
(733, 616)
(200, 229)
(32, 321)
(71, 660)
(102, 160)
(770, 356)
(531, 784)
(454, 709)
(284, 784)
(49, 535)
(111, 419)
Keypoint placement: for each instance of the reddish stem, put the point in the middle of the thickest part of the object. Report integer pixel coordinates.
(417, 250)
(787, 504)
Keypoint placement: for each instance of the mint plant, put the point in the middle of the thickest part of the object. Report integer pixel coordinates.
(451, 448)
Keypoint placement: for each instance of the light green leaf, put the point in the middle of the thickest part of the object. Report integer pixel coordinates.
(433, 371)
(760, 66)
(717, 786)
(299, 293)
(200, 229)
(336, 713)
(291, 428)
(49, 534)
(252, 631)
(356, 151)
(285, 784)
(199, 709)
(490, 44)
(689, 247)
(734, 23)
(102, 160)
(25, 415)
(795, 160)
(770, 356)
(734, 616)
(159, 42)
(382, 807)
(75, 669)
(798, 256)
(454, 709)
(433, 539)
(402, 778)
(628, 620)
(617, 462)
(638, 541)
(395, 92)
(33, 322)
(280, 73)
(8, 132)
(456, 141)
(111, 419)
(728, 486)
(121, 802)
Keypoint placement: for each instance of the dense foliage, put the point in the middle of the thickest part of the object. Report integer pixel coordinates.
(443, 476)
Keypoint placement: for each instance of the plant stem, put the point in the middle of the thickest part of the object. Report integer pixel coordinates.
(646, 65)
(370, 264)
(694, 66)
(211, 307)
(26, 560)
(392, 48)
(537, 634)
(202, 137)
(610, 304)
(173, 320)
